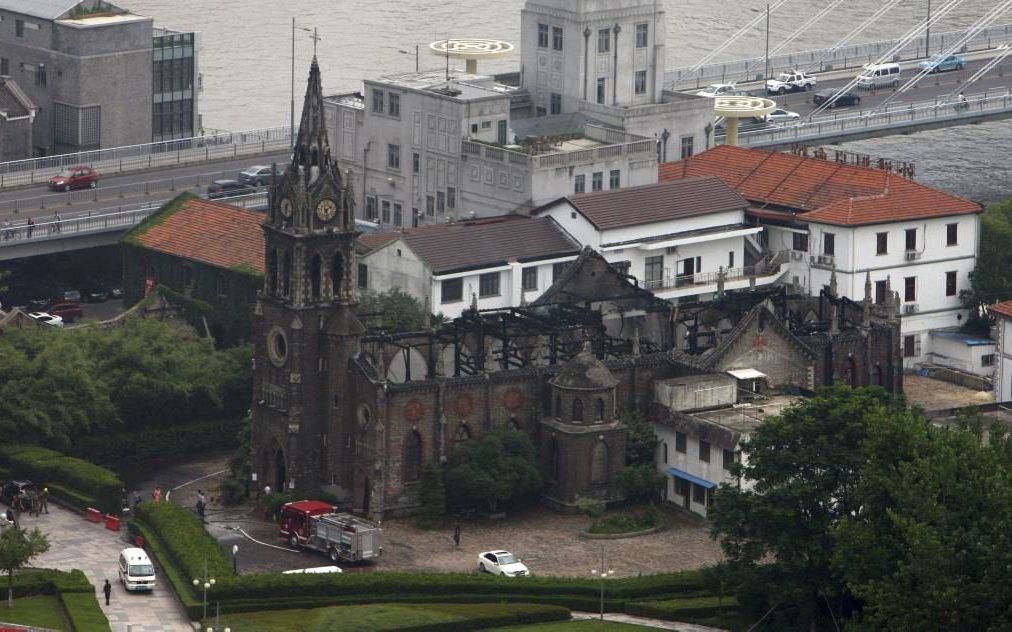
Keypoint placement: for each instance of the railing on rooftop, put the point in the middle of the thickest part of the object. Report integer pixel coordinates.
(771, 266)
(558, 159)
(826, 59)
(895, 117)
(222, 145)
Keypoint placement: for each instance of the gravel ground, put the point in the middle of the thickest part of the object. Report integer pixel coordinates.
(548, 542)
(932, 394)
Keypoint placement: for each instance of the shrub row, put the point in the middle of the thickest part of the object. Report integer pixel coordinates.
(181, 545)
(490, 615)
(683, 609)
(73, 590)
(129, 447)
(87, 481)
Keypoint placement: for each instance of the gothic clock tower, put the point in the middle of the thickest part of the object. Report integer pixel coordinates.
(305, 329)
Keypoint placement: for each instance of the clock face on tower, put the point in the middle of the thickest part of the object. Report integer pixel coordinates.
(326, 210)
(286, 207)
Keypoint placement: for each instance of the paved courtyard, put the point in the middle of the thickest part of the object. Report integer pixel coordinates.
(77, 543)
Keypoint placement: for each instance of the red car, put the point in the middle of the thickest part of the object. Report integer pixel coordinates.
(69, 311)
(77, 177)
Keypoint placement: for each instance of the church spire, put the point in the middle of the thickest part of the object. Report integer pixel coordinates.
(312, 150)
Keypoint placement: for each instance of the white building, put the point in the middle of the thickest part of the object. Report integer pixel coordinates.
(1003, 354)
(867, 224)
(962, 352)
(489, 263)
(701, 422)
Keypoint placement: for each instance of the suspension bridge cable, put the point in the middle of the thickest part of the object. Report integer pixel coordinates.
(745, 29)
(809, 23)
(988, 67)
(857, 30)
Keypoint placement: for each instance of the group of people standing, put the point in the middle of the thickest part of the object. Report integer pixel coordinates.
(34, 502)
(9, 230)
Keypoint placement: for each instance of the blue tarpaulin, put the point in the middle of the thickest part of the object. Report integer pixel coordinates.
(677, 473)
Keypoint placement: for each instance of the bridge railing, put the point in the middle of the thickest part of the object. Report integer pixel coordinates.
(99, 221)
(894, 116)
(826, 59)
(218, 146)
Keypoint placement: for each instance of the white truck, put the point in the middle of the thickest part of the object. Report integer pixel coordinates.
(793, 81)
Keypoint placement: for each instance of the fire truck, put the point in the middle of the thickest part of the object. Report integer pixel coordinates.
(343, 537)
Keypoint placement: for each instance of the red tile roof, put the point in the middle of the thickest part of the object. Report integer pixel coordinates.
(1003, 309)
(209, 232)
(373, 241)
(825, 191)
(487, 242)
(652, 203)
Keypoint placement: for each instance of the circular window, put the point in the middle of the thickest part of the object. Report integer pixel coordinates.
(277, 346)
(364, 416)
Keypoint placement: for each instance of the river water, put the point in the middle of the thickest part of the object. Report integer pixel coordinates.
(246, 58)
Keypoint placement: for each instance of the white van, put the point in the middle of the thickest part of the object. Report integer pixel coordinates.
(878, 75)
(136, 570)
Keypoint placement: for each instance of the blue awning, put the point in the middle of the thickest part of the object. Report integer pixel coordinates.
(685, 476)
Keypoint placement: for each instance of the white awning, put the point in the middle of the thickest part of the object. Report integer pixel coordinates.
(746, 374)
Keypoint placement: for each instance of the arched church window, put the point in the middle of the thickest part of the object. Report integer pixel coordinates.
(600, 408)
(315, 271)
(599, 464)
(554, 458)
(577, 409)
(272, 271)
(558, 406)
(878, 375)
(852, 369)
(463, 433)
(412, 457)
(337, 273)
(286, 275)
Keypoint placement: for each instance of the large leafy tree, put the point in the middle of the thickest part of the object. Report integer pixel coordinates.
(500, 466)
(991, 279)
(17, 548)
(805, 466)
(393, 310)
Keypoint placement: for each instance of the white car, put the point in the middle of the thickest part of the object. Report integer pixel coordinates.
(715, 90)
(49, 319)
(790, 82)
(314, 570)
(781, 115)
(501, 563)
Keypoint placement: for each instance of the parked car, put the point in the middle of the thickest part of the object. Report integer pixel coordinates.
(790, 82)
(136, 571)
(942, 63)
(256, 176)
(69, 311)
(71, 295)
(715, 90)
(94, 294)
(227, 188)
(48, 319)
(780, 115)
(79, 177)
(836, 98)
(11, 489)
(501, 563)
(116, 292)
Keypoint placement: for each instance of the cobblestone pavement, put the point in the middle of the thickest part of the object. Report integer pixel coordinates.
(77, 543)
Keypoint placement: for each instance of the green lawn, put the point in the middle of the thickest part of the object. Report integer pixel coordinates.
(364, 617)
(43, 611)
(575, 626)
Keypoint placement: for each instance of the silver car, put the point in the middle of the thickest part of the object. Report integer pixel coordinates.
(256, 176)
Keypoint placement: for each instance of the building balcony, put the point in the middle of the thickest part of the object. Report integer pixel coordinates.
(769, 271)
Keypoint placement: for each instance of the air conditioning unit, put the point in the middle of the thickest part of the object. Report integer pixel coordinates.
(671, 250)
(826, 260)
(910, 308)
(797, 256)
(912, 255)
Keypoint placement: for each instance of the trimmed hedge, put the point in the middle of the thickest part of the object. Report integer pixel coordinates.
(46, 467)
(182, 547)
(74, 591)
(130, 447)
(683, 609)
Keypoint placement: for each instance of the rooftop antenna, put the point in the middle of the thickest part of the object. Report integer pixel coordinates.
(447, 61)
(316, 38)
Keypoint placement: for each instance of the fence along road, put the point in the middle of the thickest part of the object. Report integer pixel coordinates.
(115, 160)
(830, 59)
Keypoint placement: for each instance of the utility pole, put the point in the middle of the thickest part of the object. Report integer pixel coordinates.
(927, 31)
(291, 130)
(766, 70)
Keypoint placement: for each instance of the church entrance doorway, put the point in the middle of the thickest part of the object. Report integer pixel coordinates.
(279, 471)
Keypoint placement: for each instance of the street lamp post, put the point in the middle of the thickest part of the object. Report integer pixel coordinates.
(235, 559)
(206, 583)
(602, 575)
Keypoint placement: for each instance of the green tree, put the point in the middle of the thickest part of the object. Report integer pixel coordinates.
(393, 310)
(17, 548)
(432, 496)
(991, 279)
(640, 482)
(805, 466)
(640, 439)
(499, 467)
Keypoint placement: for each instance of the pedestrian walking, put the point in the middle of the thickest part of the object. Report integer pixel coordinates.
(44, 500)
(33, 503)
(12, 518)
(56, 222)
(107, 589)
(201, 504)
(30, 227)
(456, 534)
(8, 230)
(157, 495)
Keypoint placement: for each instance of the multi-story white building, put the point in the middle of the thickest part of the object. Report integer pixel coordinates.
(1003, 354)
(678, 239)
(862, 223)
